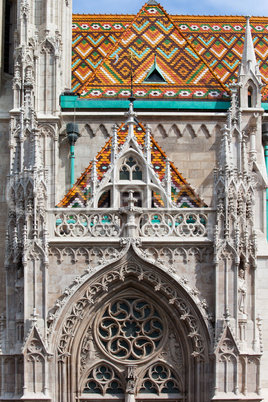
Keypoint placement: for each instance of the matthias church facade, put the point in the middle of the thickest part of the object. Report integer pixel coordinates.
(129, 283)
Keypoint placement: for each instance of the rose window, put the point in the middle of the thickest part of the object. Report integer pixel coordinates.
(130, 329)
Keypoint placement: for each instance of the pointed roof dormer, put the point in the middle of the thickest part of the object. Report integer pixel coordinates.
(249, 76)
(155, 75)
(131, 160)
(151, 35)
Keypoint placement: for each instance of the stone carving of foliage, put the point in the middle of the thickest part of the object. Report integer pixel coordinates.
(159, 379)
(103, 284)
(103, 380)
(130, 329)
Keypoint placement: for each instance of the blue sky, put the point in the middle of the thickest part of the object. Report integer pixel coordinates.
(201, 7)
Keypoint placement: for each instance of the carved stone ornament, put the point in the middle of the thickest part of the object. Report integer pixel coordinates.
(130, 329)
(89, 351)
(160, 379)
(103, 379)
(103, 283)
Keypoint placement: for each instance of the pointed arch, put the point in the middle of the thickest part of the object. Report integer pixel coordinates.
(47, 47)
(160, 379)
(175, 129)
(87, 130)
(76, 329)
(103, 130)
(161, 130)
(47, 130)
(113, 275)
(102, 379)
(203, 131)
(189, 131)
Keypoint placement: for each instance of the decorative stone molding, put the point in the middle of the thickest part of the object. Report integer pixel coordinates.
(103, 283)
(94, 256)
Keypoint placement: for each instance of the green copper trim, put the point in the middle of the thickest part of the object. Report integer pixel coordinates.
(71, 102)
(72, 157)
(266, 163)
(158, 70)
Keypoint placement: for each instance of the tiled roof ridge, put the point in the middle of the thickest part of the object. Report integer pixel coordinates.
(188, 41)
(103, 15)
(195, 50)
(175, 16)
(114, 47)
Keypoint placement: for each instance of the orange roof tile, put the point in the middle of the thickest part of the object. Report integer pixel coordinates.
(198, 55)
(182, 193)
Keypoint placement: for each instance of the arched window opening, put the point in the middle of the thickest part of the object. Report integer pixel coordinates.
(250, 94)
(137, 173)
(124, 173)
(159, 379)
(103, 380)
(130, 170)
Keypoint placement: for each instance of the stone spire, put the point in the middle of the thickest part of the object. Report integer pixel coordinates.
(249, 61)
(131, 117)
(249, 77)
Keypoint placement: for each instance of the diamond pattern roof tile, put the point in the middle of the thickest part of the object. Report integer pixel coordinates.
(182, 193)
(198, 55)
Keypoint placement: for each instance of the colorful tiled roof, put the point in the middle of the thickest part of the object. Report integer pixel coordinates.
(182, 193)
(198, 55)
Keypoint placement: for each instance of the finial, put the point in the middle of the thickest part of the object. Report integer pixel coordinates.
(248, 61)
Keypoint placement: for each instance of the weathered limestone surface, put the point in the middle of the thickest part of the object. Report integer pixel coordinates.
(94, 300)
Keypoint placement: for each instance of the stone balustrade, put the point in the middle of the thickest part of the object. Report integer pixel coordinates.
(154, 223)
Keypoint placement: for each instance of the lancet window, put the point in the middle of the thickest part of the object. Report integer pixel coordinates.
(130, 170)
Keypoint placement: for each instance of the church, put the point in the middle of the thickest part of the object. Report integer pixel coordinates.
(134, 198)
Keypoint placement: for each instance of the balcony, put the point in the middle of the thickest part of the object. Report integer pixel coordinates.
(157, 225)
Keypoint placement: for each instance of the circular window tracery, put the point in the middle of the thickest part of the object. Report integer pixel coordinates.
(103, 380)
(159, 379)
(130, 329)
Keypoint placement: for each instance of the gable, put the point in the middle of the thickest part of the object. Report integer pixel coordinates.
(182, 194)
(181, 43)
(151, 34)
